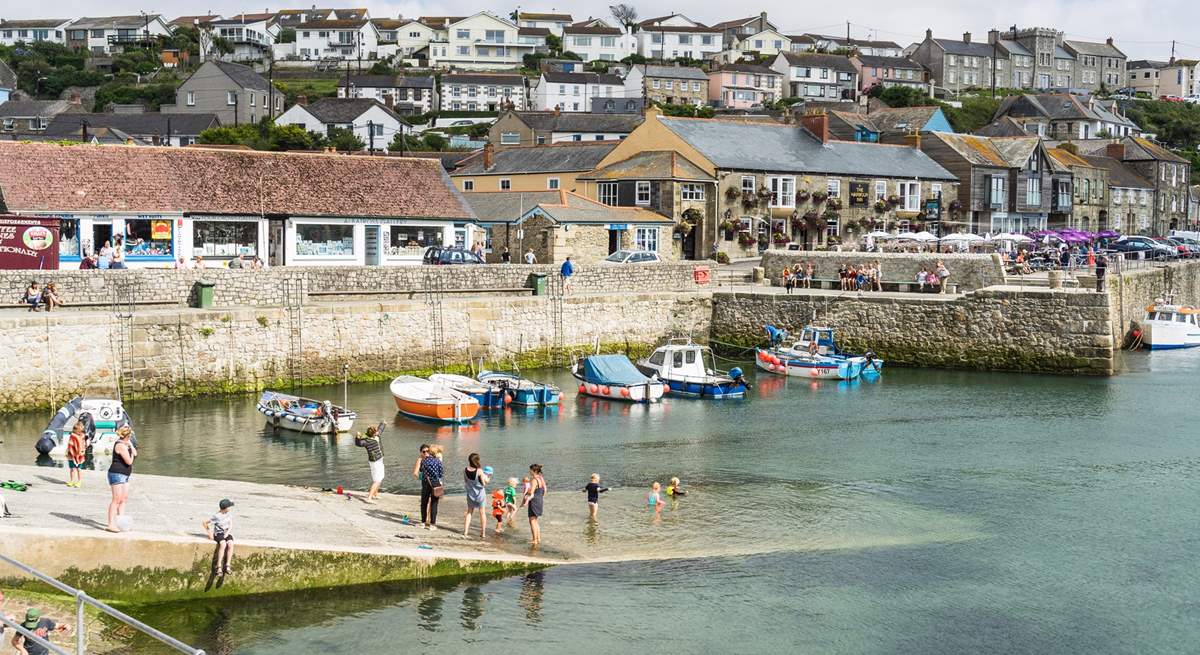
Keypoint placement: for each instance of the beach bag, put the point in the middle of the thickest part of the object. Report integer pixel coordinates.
(439, 490)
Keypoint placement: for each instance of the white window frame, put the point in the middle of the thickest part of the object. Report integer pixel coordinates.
(191, 98)
(608, 193)
(230, 98)
(752, 186)
(998, 190)
(510, 138)
(553, 183)
(639, 187)
(910, 195)
(505, 184)
(880, 189)
(692, 191)
(1033, 191)
(783, 190)
(646, 238)
(833, 188)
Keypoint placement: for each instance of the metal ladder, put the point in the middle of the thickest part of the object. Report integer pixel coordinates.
(293, 305)
(434, 296)
(122, 337)
(554, 293)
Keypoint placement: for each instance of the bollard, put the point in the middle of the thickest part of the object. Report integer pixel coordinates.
(1055, 279)
(759, 274)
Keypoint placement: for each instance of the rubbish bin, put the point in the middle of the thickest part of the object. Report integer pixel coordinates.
(204, 293)
(538, 282)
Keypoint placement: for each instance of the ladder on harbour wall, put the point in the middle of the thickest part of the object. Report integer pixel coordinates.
(293, 306)
(434, 296)
(554, 293)
(123, 305)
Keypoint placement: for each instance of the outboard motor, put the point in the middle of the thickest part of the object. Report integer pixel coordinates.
(46, 442)
(89, 426)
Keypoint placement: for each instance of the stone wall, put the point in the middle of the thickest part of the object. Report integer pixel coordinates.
(1131, 290)
(47, 358)
(968, 271)
(1003, 328)
(264, 288)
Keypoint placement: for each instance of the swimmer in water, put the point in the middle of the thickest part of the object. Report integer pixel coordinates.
(594, 490)
(675, 490)
(654, 500)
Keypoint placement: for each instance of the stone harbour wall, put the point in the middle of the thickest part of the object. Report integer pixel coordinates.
(236, 287)
(1001, 329)
(968, 271)
(1131, 290)
(46, 359)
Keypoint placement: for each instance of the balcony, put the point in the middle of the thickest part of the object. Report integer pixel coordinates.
(130, 39)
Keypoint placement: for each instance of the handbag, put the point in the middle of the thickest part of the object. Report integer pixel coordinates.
(439, 490)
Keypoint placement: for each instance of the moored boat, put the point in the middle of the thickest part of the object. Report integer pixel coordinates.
(489, 396)
(306, 415)
(522, 391)
(616, 378)
(689, 370)
(826, 346)
(100, 417)
(784, 361)
(431, 401)
(1170, 327)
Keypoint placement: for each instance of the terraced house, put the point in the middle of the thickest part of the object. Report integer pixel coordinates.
(1067, 116)
(744, 86)
(676, 36)
(672, 85)
(1099, 66)
(815, 76)
(1169, 173)
(1130, 197)
(1087, 206)
(33, 30)
(597, 41)
(483, 92)
(405, 95)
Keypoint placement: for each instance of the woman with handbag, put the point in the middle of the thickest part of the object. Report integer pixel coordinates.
(432, 488)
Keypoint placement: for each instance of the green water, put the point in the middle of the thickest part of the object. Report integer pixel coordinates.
(932, 511)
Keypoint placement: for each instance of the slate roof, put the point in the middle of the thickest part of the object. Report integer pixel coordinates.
(548, 121)
(1061, 53)
(650, 165)
(1064, 159)
(1016, 149)
(8, 79)
(575, 209)
(899, 120)
(735, 23)
(539, 159)
(34, 108)
(449, 158)
(1055, 106)
(506, 206)
(483, 78)
(388, 23)
(242, 75)
(86, 178)
(1102, 49)
(738, 145)
(336, 23)
(540, 16)
(598, 30)
(673, 72)
(1141, 148)
(388, 81)
(346, 110)
(854, 43)
(834, 62)
(1015, 48)
(138, 125)
(1144, 63)
(959, 47)
(582, 78)
(1119, 175)
(33, 23)
(109, 22)
(533, 31)
(1003, 126)
(877, 61)
(189, 21)
(245, 18)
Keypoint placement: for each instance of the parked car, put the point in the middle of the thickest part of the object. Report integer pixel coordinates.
(1186, 249)
(438, 256)
(1193, 99)
(1145, 247)
(632, 257)
(1170, 98)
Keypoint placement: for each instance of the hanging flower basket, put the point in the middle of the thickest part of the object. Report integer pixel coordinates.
(797, 222)
(764, 193)
(819, 196)
(833, 240)
(749, 201)
(802, 196)
(881, 206)
(746, 239)
(780, 237)
(834, 204)
(727, 225)
(830, 215)
(684, 228)
(893, 200)
(732, 193)
(820, 223)
(955, 206)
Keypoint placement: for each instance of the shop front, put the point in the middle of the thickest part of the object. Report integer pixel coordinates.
(148, 240)
(368, 241)
(217, 239)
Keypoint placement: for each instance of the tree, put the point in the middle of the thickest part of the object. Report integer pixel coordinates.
(633, 59)
(235, 135)
(222, 45)
(381, 68)
(625, 15)
(287, 35)
(435, 141)
(344, 140)
(122, 93)
(554, 44)
(975, 112)
(902, 96)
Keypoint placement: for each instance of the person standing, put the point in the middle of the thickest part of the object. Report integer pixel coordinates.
(40, 626)
(118, 253)
(76, 453)
(594, 490)
(567, 271)
(432, 488)
(374, 445)
(505, 256)
(1101, 271)
(476, 482)
(943, 274)
(530, 258)
(535, 498)
(119, 472)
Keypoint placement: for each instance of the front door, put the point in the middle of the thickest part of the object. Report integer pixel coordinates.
(614, 241)
(690, 243)
(275, 245)
(371, 250)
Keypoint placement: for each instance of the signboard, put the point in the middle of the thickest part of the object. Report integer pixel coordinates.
(618, 226)
(858, 193)
(933, 209)
(160, 230)
(28, 243)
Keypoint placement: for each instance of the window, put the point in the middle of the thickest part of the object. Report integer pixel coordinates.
(646, 238)
(317, 240)
(692, 191)
(910, 194)
(464, 50)
(607, 192)
(670, 85)
(149, 237)
(696, 86)
(685, 39)
(191, 98)
(642, 196)
(494, 36)
(834, 187)
(540, 140)
(831, 226)
(583, 41)
(510, 138)
(706, 39)
(1033, 191)
(654, 84)
(468, 185)
(224, 238)
(577, 137)
(998, 195)
(252, 101)
(505, 184)
(880, 190)
(462, 34)
(552, 184)
(935, 190)
(747, 184)
(230, 98)
(399, 238)
(783, 191)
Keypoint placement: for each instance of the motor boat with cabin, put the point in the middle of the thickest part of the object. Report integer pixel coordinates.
(522, 392)
(101, 417)
(423, 399)
(489, 396)
(689, 370)
(827, 346)
(1168, 327)
(804, 361)
(305, 415)
(616, 378)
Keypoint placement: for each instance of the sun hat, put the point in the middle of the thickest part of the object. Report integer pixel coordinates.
(32, 616)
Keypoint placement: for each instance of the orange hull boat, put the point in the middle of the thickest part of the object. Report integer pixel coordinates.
(433, 402)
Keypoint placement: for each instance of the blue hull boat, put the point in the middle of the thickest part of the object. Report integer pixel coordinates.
(819, 341)
(489, 396)
(688, 370)
(522, 392)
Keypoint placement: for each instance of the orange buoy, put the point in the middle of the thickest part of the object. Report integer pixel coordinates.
(592, 388)
(581, 387)
(666, 388)
(814, 372)
(624, 392)
(606, 390)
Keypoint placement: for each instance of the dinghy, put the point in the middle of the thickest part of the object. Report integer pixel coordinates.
(304, 415)
(489, 397)
(431, 401)
(522, 392)
(100, 417)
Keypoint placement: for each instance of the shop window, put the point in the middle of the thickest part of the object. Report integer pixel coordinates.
(314, 240)
(646, 238)
(149, 237)
(411, 239)
(224, 238)
(68, 238)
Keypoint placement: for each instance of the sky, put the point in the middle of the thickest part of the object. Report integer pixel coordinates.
(1143, 29)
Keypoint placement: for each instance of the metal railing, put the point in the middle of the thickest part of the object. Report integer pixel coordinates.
(82, 599)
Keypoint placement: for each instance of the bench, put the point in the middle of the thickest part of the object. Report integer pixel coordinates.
(417, 293)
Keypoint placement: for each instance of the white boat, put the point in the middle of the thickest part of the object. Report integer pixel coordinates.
(100, 417)
(423, 399)
(689, 370)
(616, 378)
(1169, 327)
(489, 396)
(288, 412)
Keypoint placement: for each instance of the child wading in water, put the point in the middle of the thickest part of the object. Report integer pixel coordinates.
(654, 500)
(510, 500)
(594, 490)
(675, 490)
(498, 510)
(220, 529)
(76, 453)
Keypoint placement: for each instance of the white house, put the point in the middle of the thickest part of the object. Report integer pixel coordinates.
(817, 76)
(574, 91)
(405, 95)
(598, 42)
(33, 30)
(553, 22)
(670, 37)
(413, 37)
(108, 34)
(251, 35)
(373, 123)
(482, 92)
(355, 38)
(479, 42)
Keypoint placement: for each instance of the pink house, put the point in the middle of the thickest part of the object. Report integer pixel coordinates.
(887, 71)
(743, 86)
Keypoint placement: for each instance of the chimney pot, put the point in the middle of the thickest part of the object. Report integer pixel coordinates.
(1115, 151)
(928, 34)
(966, 37)
(1109, 40)
(912, 139)
(302, 100)
(489, 156)
(993, 36)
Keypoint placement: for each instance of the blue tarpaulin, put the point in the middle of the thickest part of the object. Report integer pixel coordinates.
(611, 369)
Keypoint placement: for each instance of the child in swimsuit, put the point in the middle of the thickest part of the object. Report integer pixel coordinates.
(526, 488)
(498, 510)
(654, 500)
(594, 490)
(675, 490)
(510, 500)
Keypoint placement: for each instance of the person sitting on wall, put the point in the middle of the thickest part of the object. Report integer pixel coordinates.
(32, 296)
(50, 297)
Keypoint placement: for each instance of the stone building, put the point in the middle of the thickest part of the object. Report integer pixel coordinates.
(1083, 204)
(671, 85)
(1170, 174)
(1130, 197)
(528, 128)
(1066, 116)
(529, 168)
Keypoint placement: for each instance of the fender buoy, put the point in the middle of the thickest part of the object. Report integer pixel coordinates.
(606, 390)
(510, 397)
(581, 388)
(624, 392)
(815, 372)
(666, 388)
(592, 388)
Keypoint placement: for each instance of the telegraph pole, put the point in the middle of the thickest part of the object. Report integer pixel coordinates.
(371, 134)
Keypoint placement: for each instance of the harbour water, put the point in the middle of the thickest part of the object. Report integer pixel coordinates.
(930, 511)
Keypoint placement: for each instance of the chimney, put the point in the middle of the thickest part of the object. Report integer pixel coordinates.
(1115, 151)
(993, 36)
(817, 123)
(762, 21)
(912, 139)
(1108, 40)
(302, 100)
(928, 34)
(489, 156)
(557, 110)
(966, 37)
(389, 100)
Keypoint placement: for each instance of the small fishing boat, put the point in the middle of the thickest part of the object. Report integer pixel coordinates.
(804, 360)
(1169, 327)
(689, 370)
(305, 415)
(100, 417)
(522, 392)
(827, 347)
(616, 378)
(489, 396)
(431, 401)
